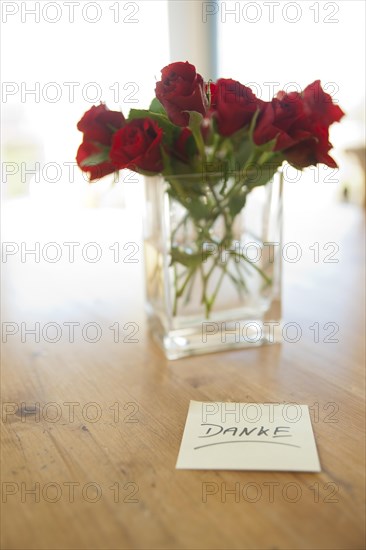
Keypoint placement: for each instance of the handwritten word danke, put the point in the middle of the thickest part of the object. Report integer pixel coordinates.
(212, 430)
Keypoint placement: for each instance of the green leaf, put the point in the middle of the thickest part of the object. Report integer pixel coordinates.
(198, 209)
(171, 132)
(267, 147)
(156, 107)
(187, 259)
(243, 151)
(266, 173)
(237, 203)
(184, 258)
(97, 158)
(191, 147)
(166, 162)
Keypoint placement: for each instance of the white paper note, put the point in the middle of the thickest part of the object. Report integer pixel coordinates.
(248, 436)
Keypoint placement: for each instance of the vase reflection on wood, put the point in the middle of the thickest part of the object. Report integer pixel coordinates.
(213, 269)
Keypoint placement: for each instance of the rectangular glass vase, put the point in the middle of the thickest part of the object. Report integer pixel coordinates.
(213, 282)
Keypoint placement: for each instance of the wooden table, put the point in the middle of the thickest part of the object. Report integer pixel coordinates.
(94, 429)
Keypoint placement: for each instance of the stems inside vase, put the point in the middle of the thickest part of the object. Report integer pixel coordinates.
(192, 241)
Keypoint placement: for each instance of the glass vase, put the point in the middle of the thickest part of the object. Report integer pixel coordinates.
(212, 263)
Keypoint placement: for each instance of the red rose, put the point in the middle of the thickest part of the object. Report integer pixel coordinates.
(311, 151)
(299, 122)
(233, 106)
(319, 106)
(137, 146)
(96, 171)
(181, 89)
(284, 118)
(99, 124)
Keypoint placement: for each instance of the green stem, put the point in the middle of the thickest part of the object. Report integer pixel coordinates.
(179, 225)
(257, 269)
(204, 292)
(189, 291)
(213, 297)
(183, 287)
(204, 229)
(241, 280)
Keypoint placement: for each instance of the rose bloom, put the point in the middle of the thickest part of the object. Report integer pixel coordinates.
(311, 151)
(181, 89)
(233, 105)
(137, 146)
(300, 125)
(99, 124)
(283, 119)
(319, 105)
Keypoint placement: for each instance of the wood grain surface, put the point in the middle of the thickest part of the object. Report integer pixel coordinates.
(94, 429)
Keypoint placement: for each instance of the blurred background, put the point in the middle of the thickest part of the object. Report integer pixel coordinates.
(75, 54)
(60, 58)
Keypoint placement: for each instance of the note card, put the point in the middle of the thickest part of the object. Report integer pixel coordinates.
(248, 436)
